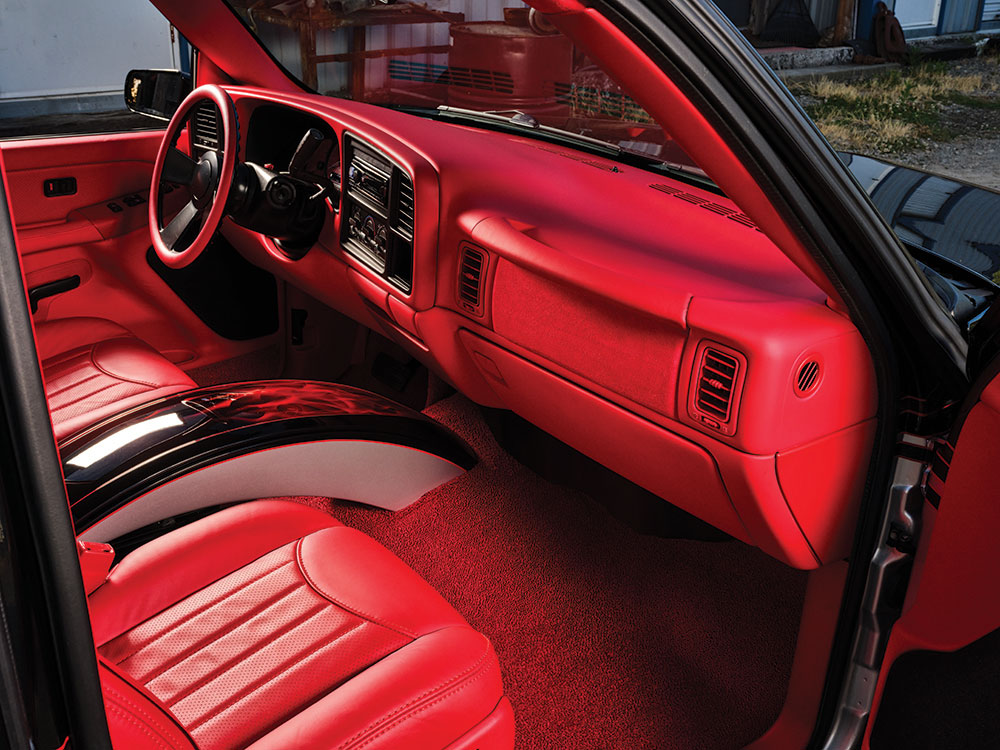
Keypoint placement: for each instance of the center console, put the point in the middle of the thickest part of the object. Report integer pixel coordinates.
(377, 227)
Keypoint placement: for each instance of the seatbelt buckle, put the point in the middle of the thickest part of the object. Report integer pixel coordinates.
(95, 563)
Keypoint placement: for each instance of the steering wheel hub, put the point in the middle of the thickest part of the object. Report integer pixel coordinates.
(204, 180)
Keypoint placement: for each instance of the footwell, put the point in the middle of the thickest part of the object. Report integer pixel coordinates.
(607, 638)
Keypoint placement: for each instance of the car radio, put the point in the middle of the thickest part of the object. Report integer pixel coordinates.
(370, 230)
(377, 223)
(365, 177)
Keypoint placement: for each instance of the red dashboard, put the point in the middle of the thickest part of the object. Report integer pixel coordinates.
(644, 321)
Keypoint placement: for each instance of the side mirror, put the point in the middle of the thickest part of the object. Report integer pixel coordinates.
(156, 93)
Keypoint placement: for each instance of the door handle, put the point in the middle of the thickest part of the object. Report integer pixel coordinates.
(38, 293)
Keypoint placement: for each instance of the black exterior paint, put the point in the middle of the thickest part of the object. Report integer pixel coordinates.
(956, 221)
(214, 424)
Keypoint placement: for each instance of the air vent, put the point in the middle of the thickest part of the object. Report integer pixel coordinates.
(205, 126)
(607, 167)
(715, 384)
(404, 205)
(470, 279)
(715, 208)
(807, 378)
(717, 381)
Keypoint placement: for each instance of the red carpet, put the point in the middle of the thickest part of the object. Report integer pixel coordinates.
(607, 638)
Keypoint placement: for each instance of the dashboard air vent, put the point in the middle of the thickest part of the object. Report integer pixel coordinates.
(807, 378)
(715, 208)
(205, 126)
(470, 279)
(404, 204)
(715, 388)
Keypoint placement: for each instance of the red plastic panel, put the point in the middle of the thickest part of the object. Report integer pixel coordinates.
(650, 456)
(663, 100)
(777, 338)
(823, 483)
(795, 724)
(951, 600)
(105, 167)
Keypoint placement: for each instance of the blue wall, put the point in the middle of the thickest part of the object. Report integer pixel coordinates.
(957, 16)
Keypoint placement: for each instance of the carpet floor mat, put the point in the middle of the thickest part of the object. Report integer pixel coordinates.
(607, 638)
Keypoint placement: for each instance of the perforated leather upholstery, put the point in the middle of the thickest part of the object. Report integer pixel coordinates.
(94, 368)
(271, 625)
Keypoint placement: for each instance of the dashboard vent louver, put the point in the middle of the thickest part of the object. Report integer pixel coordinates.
(715, 208)
(404, 204)
(470, 279)
(807, 378)
(205, 126)
(716, 379)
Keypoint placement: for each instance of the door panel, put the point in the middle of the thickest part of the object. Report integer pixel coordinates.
(100, 234)
(952, 599)
(105, 167)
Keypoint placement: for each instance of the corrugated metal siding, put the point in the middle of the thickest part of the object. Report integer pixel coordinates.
(823, 13)
(959, 15)
(334, 77)
(991, 14)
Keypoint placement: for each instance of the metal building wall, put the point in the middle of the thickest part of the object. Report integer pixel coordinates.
(958, 16)
(57, 55)
(991, 15)
(334, 77)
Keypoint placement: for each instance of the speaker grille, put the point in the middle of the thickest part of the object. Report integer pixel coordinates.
(808, 377)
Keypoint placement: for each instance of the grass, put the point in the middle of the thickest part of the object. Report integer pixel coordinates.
(894, 112)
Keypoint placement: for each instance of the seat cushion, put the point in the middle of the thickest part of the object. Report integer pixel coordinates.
(271, 625)
(94, 368)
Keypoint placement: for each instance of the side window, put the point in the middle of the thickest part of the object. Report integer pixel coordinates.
(63, 64)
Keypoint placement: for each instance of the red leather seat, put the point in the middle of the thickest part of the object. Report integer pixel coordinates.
(270, 625)
(94, 368)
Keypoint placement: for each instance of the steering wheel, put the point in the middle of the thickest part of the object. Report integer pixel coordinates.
(206, 179)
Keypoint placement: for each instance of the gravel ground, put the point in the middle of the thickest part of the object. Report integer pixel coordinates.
(971, 151)
(974, 154)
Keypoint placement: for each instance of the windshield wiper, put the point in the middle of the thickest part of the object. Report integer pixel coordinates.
(514, 120)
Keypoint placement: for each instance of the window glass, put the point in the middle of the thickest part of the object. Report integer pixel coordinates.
(63, 64)
(484, 55)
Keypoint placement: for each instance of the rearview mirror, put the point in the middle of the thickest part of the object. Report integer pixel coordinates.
(156, 93)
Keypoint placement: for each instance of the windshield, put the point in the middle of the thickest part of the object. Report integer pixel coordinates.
(496, 56)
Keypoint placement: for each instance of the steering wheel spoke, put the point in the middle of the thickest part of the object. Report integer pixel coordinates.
(208, 180)
(187, 219)
(178, 167)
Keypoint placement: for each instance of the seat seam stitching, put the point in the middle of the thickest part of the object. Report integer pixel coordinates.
(382, 720)
(93, 358)
(208, 640)
(58, 359)
(138, 711)
(90, 395)
(353, 610)
(285, 629)
(442, 694)
(144, 728)
(77, 384)
(268, 679)
(194, 614)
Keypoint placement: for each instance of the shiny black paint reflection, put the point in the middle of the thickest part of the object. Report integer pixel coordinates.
(130, 454)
